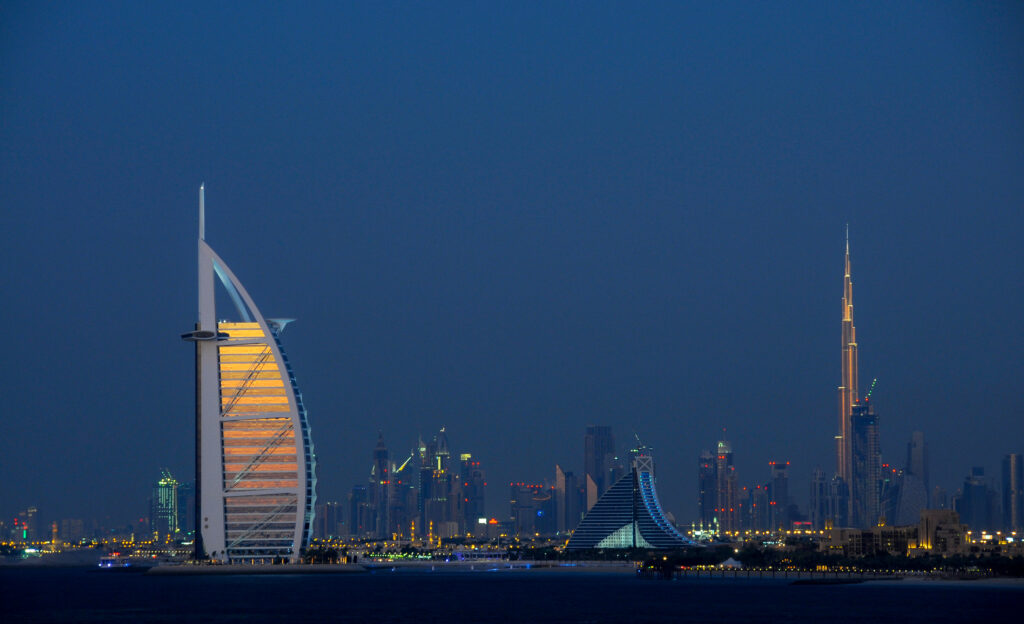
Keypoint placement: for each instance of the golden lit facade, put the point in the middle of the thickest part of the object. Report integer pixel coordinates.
(255, 465)
(261, 454)
(848, 389)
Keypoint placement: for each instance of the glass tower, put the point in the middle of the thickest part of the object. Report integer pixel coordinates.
(866, 479)
(163, 517)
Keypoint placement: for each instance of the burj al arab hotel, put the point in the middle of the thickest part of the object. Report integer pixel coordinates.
(255, 467)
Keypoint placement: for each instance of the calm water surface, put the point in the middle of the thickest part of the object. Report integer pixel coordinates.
(90, 595)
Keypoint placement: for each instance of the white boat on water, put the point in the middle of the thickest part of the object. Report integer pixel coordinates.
(114, 561)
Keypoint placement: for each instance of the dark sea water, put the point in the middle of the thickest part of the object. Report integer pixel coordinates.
(91, 595)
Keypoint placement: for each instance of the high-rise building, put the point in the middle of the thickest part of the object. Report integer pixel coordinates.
(905, 494)
(727, 503)
(889, 486)
(779, 512)
(917, 462)
(838, 502)
(865, 482)
(976, 502)
(28, 526)
(532, 508)
(570, 500)
(829, 501)
(1013, 493)
(759, 508)
(848, 387)
(560, 516)
(360, 514)
(380, 481)
(473, 482)
(858, 456)
(329, 520)
(910, 499)
(442, 453)
(590, 491)
(707, 488)
(449, 506)
(404, 494)
(437, 507)
(819, 493)
(72, 529)
(163, 513)
(598, 460)
(255, 467)
(187, 507)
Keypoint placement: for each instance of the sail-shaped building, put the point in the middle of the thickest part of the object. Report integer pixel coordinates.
(629, 515)
(255, 467)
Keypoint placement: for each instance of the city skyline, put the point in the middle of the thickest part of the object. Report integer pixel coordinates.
(609, 452)
(514, 223)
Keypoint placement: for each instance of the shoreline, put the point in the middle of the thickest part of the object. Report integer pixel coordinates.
(519, 567)
(205, 569)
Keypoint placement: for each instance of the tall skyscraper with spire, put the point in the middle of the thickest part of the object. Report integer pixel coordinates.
(848, 388)
(255, 466)
(858, 453)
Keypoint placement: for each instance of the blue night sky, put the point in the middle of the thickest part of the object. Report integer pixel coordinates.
(512, 220)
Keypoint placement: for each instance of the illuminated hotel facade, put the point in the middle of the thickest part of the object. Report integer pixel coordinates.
(629, 515)
(255, 467)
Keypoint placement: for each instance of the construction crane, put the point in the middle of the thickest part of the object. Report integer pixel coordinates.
(405, 463)
(871, 389)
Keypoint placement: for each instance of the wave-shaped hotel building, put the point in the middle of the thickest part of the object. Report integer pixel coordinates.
(629, 515)
(255, 467)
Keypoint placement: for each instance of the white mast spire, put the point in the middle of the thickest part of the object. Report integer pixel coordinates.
(202, 212)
